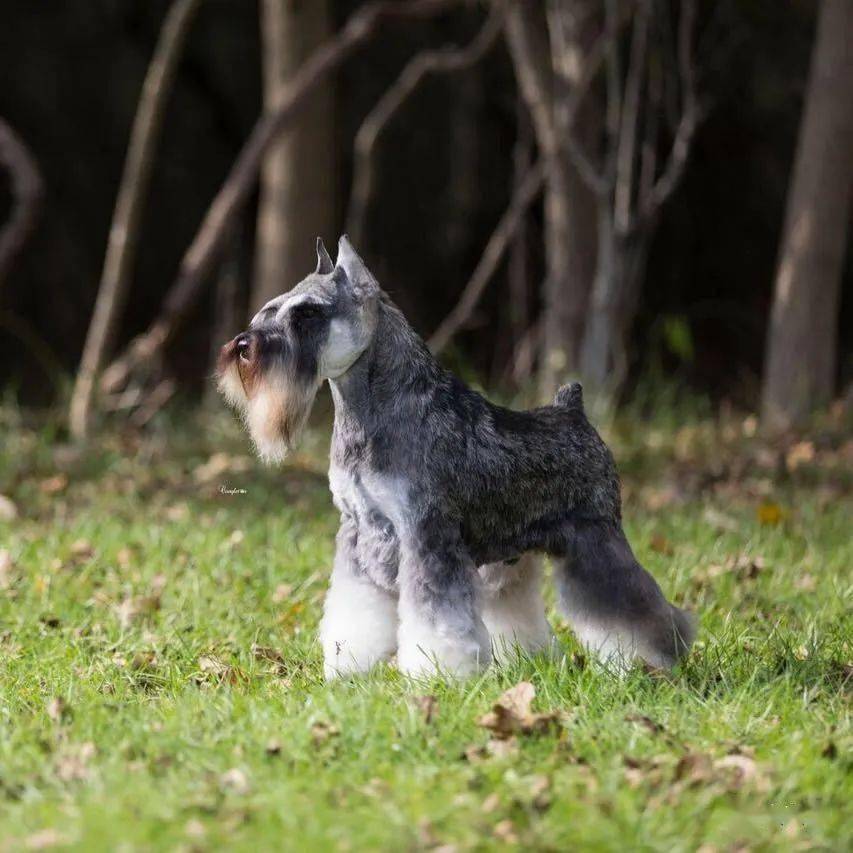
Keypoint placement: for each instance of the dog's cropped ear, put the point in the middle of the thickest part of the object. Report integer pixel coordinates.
(360, 278)
(324, 262)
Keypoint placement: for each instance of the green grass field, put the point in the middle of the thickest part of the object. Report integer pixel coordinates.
(161, 687)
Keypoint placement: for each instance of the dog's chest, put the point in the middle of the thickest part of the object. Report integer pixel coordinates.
(378, 507)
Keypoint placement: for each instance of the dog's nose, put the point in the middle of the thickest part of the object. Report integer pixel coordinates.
(243, 343)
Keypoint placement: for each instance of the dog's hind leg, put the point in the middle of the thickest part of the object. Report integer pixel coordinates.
(359, 625)
(513, 609)
(441, 628)
(614, 605)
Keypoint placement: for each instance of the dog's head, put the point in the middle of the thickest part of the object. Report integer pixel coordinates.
(316, 331)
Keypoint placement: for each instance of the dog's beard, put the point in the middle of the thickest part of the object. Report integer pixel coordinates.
(274, 410)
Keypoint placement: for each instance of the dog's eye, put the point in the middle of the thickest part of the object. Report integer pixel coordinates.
(243, 350)
(308, 311)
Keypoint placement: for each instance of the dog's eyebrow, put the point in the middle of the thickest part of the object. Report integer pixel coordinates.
(306, 300)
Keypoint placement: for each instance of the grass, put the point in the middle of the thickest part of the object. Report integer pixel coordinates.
(161, 687)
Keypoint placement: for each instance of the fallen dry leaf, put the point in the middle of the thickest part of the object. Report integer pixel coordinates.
(646, 722)
(659, 543)
(494, 748)
(195, 829)
(54, 485)
(719, 520)
(235, 780)
(505, 831)
(58, 709)
(744, 566)
(124, 557)
(694, 768)
(799, 454)
(270, 655)
(136, 607)
(511, 714)
(490, 804)
(739, 770)
(143, 661)
(72, 765)
(769, 513)
(82, 550)
(7, 567)
(427, 705)
(805, 582)
(218, 671)
(44, 839)
(322, 731)
(8, 509)
(540, 792)
(281, 593)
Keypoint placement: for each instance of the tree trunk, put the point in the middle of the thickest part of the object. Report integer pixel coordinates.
(27, 190)
(297, 181)
(612, 307)
(569, 204)
(803, 334)
(130, 203)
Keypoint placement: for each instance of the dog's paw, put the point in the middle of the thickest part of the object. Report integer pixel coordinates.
(438, 656)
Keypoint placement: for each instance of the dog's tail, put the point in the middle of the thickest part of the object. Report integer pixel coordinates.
(615, 607)
(570, 397)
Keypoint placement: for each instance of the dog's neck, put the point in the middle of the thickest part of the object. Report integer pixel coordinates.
(376, 389)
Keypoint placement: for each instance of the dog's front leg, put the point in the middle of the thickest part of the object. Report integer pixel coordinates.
(441, 629)
(359, 625)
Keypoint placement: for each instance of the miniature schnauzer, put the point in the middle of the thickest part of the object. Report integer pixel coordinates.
(443, 495)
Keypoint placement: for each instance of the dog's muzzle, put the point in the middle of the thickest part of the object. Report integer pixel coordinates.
(250, 354)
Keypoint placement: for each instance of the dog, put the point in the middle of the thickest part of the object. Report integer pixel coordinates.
(443, 496)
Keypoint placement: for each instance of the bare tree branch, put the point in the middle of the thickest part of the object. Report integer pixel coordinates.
(626, 146)
(490, 259)
(443, 60)
(127, 216)
(691, 114)
(362, 25)
(599, 180)
(613, 74)
(27, 192)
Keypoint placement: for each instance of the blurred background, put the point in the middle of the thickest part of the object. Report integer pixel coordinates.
(620, 191)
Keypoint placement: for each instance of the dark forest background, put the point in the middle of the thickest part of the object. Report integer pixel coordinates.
(70, 79)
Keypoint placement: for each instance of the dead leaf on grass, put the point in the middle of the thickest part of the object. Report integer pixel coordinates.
(58, 709)
(769, 513)
(82, 550)
(646, 722)
(738, 770)
(270, 655)
(799, 454)
(494, 748)
(7, 569)
(427, 705)
(54, 485)
(659, 543)
(235, 781)
(8, 509)
(505, 831)
(44, 839)
(511, 714)
(72, 764)
(719, 520)
(322, 731)
(491, 803)
(215, 670)
(136, 607)
(282, 592)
